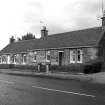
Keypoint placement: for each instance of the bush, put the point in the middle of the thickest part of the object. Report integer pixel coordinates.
(24, 67)
(91, 67)
(11, 65)
(21, 67)
(94, 67)
(74, 68)
(4, 66)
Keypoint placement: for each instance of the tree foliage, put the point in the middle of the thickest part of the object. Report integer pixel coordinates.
(12, 39)
(28, 36)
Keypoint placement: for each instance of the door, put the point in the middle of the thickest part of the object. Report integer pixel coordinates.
(61, 54)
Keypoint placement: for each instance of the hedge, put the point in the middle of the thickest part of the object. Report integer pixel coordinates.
(92, 67)
(20, 67)
(74, 68)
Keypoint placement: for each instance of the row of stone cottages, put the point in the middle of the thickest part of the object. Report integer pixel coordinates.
(67, 48)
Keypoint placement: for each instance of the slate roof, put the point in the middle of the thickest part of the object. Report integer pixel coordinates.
(81, 38)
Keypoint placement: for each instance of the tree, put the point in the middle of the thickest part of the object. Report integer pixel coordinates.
(28, 36)
(18, 39)
(12, 39)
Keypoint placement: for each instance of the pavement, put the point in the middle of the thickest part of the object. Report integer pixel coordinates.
(93, 78)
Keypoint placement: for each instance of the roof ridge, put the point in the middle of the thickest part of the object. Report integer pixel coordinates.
(57, 34)
(75, 30)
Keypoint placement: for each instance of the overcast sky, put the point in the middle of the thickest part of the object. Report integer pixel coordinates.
(17, 17)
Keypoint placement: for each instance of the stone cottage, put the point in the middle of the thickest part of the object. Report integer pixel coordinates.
(75, 47)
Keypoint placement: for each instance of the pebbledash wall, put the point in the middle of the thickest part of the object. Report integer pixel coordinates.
(53, 56)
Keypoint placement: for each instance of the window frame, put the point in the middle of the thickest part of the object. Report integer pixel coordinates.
(48, 55)
(76, 57)
(35, 56)
(72, 56)
(24, 61)
(4, 59)
(15, 59)
(80, 55)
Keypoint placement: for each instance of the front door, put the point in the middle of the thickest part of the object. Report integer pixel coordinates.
(61, 54)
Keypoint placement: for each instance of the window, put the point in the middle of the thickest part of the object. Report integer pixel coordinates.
(72, 56)
(4, 59)
(76, 56)
(12, 59)
(48, 55)
(24, 58)
(15, 59)
(34, 57)
(79, 56)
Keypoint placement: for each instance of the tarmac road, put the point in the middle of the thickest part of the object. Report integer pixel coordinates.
(22, 90)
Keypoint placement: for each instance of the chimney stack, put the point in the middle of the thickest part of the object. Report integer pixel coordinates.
(44, 32)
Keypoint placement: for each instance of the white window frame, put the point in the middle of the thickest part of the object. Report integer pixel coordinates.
(14, 59)
(48, 54)
(24, 62)
(4, 62)
(35, 54)
(72, 54)
(81, 56)
(8, 59)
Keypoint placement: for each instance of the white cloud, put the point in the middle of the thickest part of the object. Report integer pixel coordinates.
(17, 17)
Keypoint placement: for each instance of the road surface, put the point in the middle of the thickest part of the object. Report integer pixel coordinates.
(23, 90)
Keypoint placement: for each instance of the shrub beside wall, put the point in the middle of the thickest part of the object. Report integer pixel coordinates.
(77, 68)
(4, 66)
(25, 67)
(20, 67)
(92, 67)
(52, 68)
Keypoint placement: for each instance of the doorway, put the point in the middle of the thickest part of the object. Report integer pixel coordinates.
(61, 56)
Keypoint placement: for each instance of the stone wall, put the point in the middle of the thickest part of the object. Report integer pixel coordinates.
(67, 56)
(54, 57)
(89, 54)
(41, 56)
